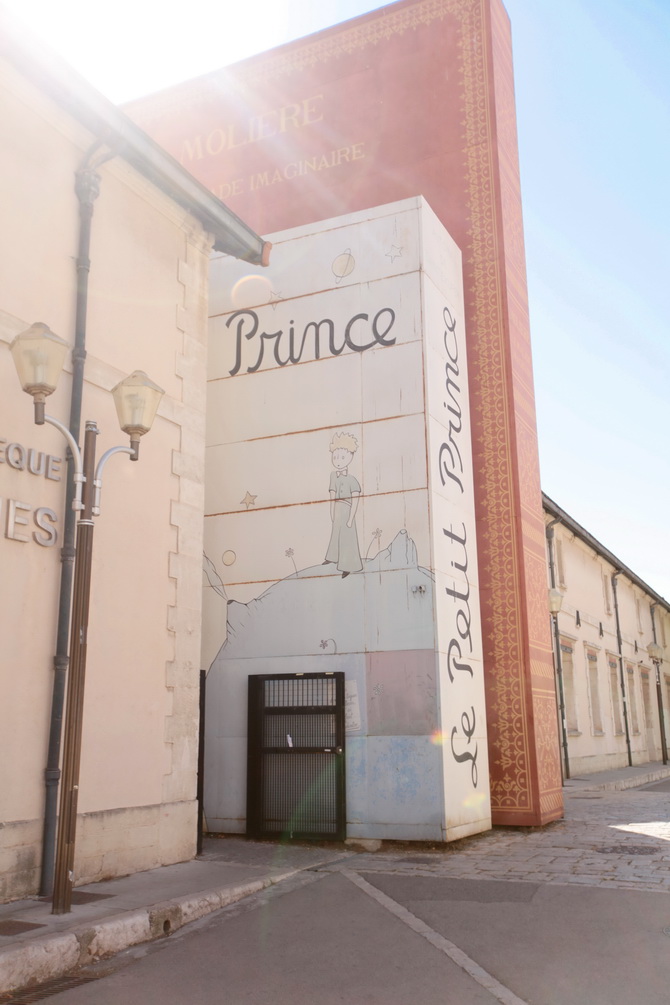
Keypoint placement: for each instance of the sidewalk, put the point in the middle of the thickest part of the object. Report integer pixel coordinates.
(36, 946)
(622, 778)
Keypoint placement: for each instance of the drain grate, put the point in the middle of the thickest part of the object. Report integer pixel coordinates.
(12, 927)
(628, 849)
(25, 996)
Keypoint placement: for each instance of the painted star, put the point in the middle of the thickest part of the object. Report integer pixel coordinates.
(275, 298)
(394, 253)
(248, 500)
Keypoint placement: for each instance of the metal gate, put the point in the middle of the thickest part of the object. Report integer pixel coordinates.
(295, 775)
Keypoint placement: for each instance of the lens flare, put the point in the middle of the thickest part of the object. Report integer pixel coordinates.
(475, 800)
(251, 291)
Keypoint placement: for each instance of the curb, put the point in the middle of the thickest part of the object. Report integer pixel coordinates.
(630, 782)
(52, 956)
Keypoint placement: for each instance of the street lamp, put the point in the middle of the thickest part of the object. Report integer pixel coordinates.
(656, 656)
(555, 602)
(39, 356)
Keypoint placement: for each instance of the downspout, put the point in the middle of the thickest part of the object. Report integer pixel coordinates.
(559, 662)
(87, 188)
(621, 677)
(659, 693)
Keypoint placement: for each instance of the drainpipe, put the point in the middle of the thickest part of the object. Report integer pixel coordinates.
(559, 662)
(621, 677)
(659, 693)
(87, 188)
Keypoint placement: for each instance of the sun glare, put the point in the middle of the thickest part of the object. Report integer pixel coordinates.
(145, 46)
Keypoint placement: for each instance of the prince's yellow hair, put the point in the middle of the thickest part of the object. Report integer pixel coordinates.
(344, 441)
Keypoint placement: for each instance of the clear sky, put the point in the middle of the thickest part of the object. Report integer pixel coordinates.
(593, 107)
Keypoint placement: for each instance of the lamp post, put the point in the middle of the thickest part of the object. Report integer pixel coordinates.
(656, 657)
(555, 599)
(39, 355)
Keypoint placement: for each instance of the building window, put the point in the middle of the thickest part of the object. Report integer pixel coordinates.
(616, 697)
(567, 665)
(632, 698)
(646, 700)
(594, 693)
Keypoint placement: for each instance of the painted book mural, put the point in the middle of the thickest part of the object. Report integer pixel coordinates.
(339, 531)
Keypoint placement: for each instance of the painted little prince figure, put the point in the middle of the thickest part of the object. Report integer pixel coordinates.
(344, 495)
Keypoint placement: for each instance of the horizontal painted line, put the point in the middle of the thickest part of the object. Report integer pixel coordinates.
(317, 429)
(314, 502)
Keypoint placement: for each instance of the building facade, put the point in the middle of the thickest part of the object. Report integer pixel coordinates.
(616, 697)
(145, 273)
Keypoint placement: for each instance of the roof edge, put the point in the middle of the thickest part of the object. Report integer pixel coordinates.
(559, 514)
(48, 71)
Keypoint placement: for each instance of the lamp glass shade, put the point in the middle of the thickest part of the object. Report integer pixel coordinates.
(137, 399)
(555, 599)
(39, 355)
(655, 651)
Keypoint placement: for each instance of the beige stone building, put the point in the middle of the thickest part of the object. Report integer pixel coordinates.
(133, 297)
(616, 696)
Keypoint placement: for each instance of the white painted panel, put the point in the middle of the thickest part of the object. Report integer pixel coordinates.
(455, 536)
(458, 624)
(279, 471)
(214, 615)
(290, 332)
(225, 795)
(384, 395)
(441, 259)
(385, 516)
(398, 602)
(394, 455)
(395, 779)
(277, 402)
(453, 528)
(345, 252)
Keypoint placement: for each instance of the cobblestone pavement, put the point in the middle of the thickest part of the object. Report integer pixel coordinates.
(611, 840)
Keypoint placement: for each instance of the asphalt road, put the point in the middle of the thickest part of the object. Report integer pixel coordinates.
(342, 937)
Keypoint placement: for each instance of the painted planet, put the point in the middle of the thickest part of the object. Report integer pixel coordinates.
(344, 264)
(228, 557)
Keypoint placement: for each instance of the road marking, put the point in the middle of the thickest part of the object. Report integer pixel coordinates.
(461, 959)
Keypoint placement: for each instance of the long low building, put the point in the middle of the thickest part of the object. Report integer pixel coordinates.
(610, 651)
